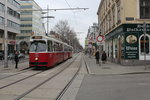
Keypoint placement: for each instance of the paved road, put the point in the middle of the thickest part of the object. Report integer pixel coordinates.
(114, 82)
(115, 87)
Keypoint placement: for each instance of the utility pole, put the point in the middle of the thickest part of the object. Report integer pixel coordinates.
(5, 37)
(47, 20)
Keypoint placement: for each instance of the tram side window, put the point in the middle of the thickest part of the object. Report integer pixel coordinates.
(58, 46)
(65, 48)
(55, 46)
(50, 46)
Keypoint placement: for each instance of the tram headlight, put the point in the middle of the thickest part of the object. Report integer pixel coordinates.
(36, 59)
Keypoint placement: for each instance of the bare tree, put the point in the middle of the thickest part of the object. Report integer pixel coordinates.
(67, 34)
(63, 29)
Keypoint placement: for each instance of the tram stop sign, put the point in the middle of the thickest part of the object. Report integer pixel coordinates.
(100, 38)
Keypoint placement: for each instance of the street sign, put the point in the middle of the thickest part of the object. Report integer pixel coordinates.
(100, 38)
(100, 43)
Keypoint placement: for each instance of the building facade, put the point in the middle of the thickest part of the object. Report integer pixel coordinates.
(12, 17)
(31, 23)
(90, 41)
(126, 27)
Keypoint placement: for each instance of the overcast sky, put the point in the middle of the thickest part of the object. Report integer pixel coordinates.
(79, 20)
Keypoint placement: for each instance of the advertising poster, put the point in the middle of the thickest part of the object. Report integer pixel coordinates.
(131, 46)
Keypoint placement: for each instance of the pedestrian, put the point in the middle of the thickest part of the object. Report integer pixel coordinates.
(16, 59)
(97, 56)
(104, 57)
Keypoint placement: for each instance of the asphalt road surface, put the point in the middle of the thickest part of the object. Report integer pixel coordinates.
(115, 87)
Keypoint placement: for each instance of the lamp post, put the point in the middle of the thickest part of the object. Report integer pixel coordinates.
(5, 37)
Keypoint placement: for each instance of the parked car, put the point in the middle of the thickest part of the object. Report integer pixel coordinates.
(21, 55)
(11, 56)
(1, 56)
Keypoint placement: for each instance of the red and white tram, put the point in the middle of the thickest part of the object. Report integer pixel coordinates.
(46, 51)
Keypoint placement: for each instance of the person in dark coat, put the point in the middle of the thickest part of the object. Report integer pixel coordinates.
(16, 59)
(104, 57)
(97, 57)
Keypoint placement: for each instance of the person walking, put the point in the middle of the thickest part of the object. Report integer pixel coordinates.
(104, 57)
(97, 56)
(16, 59)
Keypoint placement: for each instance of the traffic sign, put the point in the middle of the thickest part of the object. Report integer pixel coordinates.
(100, 38)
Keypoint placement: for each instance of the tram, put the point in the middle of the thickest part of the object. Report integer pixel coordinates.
(46, 51)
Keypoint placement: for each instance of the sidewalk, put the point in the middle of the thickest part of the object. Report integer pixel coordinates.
(112, 81)
(11, 66)
(111, 68)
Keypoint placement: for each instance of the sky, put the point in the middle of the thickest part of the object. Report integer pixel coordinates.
(79, 20)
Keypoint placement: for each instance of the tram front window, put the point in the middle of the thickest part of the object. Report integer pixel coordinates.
(38, 46)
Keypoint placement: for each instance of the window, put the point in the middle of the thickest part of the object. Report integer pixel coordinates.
(113, 16)
(118, 12)
(26, 19)
(26, 25)
(26, 6)
(58, 46)
(26, 31)
(145, 9)
(26, 13)
(13, 13)
(2, 7)
(38, 46)
(15, 3)
(13, 25)
(146, 44)
(50, 46)
(1, 20)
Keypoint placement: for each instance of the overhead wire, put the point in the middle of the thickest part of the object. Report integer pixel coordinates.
(73, 12)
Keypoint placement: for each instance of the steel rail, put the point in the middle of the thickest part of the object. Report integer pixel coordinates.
(55, 74)
(21, 80)
(20, 72)
(69, 83)
(86, 66)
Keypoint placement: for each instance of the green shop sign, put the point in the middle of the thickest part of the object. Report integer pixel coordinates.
(131, 46)
(135, 28)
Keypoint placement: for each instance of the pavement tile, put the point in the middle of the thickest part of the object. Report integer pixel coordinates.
(112, 68)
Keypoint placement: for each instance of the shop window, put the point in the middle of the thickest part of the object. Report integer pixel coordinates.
(146, 42)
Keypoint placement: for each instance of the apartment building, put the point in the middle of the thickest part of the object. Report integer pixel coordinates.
(90, 42)
(31, 23)
(125, 23)
(12, 17)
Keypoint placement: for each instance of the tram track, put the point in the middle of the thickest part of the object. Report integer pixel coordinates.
(86, 66)
(69, 83)
(17, 73)
(49, 74)
(19, 80)
(56, 73)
